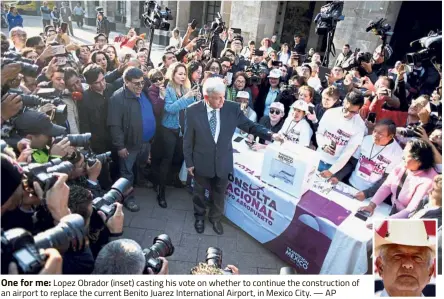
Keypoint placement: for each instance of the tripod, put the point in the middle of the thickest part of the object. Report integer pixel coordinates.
(330, 47)
(150, 43)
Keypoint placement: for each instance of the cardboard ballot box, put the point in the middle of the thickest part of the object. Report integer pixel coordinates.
(289, 167)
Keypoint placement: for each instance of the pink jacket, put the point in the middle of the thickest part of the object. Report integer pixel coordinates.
(416, 185)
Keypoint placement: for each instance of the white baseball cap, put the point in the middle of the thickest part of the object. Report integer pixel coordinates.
(243, 94)
(278, 105)
(275, 73)
(300, 105)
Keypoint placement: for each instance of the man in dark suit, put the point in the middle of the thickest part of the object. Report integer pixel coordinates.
(208, 151)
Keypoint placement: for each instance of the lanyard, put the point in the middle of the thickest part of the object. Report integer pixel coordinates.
(371, 158)
(290, 129)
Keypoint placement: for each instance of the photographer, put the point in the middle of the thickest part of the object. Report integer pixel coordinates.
(37, 127)
(100, 231)
(127, 257)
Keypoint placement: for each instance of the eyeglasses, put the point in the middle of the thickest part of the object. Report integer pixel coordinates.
(214, 69)
(275, 111)
(138, 84)
(346, 110)
(156, 79)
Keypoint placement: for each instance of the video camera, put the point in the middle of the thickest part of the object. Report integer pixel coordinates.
(154, 17)
(329, 15)
(43, 174)
(431, 49)
(355, 60)
(76, 140)
(19, 246)
(162, 247)
(379, 28)
(217, 26)
(118, 193)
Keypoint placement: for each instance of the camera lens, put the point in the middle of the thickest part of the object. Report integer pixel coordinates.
(63, 167)
(162, 246)
(68, 234)
(103, 158)
(30, 70)
(31, 100)
(214, 257)
(81, 140)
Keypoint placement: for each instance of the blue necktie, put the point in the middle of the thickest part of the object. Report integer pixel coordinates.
(213, 122)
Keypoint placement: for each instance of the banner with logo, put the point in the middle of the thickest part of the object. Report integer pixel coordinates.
(299, 231)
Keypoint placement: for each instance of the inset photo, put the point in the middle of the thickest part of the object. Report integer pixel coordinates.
(405, 258)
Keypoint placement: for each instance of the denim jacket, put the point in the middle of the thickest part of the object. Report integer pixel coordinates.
(172, 108)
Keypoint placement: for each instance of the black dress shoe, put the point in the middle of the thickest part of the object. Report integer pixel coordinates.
(217, 227)
(199, 225)
(161, 197)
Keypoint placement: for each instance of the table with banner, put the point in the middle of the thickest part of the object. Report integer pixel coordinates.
(316, 233)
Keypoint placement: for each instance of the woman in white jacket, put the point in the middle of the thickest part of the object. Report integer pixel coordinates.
(296, 128)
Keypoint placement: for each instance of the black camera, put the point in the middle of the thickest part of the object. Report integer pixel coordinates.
(19, 246)
(27, 68)
(431, 49)
(379, 27)
(30, 100)
(154, 17)
(328, 16)
(103, 158)
(43, 174)
(256, 70)
(214, 258)
(118, 192)
(411, 130)
(217, 26)
(162, 247)
(80, 140)
(355, 60)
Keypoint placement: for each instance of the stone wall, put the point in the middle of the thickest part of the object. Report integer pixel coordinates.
(357, 17)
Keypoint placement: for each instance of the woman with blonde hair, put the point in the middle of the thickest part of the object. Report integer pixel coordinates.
(111, 52)
(178, 97)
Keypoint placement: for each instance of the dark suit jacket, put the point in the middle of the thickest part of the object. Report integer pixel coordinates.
(212, 159)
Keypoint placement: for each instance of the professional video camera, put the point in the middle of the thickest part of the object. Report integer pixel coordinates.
(217, 26)
(76, 140)
(19, 246)
(154, 17)
(162, 247)
(329, 15)
(379, 28)
(431, 49)
(118, 193)
(44, 173)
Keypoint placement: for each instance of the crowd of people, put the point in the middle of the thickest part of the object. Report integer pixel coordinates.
(376, 129)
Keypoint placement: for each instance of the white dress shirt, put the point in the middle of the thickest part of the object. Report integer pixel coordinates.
(385, 294)
(209, 110)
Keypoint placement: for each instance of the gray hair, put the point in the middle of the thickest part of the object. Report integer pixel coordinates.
(16, 30)
(384, 248)
(123, 256)
(213, 85)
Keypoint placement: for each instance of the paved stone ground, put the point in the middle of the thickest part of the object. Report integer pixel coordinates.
(177, 221)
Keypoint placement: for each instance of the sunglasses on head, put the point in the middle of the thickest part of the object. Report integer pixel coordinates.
(275, 111)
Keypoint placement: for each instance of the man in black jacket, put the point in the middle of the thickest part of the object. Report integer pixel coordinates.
(132, 125)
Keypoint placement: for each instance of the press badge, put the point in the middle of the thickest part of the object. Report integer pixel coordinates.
(366, 168)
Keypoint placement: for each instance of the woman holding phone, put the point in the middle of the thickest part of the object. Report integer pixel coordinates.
(179, 95)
